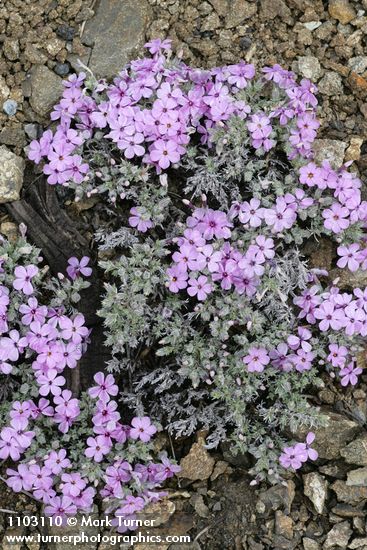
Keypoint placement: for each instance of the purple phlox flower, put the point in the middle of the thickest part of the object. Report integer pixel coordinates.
(57, 461)
(70, 355)
(12, 346)
(302, 360)
(131, 504)
(199, 287)
(73, 329)
(338, 355)
(295, 342)
(60, 507)
(140, 218)
(50, 383)
(349, 374)
(265, 249)
(72, 484)
(186, 257)
(76, 267)
(97, 448)
(177, 278)
(215, 224)
(106, 414)
(164, 153)
(105, 387)
(23, 278)
(280, 359)
(311, 453)
(256, 359)
(251, 213)
(9, 446)
(33, 312)
(281, 217)
(293, 457)
(18, 480)
(43, 407)
(156, 45)
(166, 470)
(349, 256)
(240, 74)
(20, 410)
(329, 317)
(336, 218)
(142, 429)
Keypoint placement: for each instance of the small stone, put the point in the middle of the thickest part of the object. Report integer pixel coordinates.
(312, 25)
(11, 175)
(309, 67)
(62, 69)
(331, 84)
(197, 501)
(349, 494)
(278, 497)
(315, 488)
(46, 89)
(310, 544)
(160, 511)
(53, 46)
(342, 11)
(354, 150)
(13, 136)
(34, 55)
(10, 230)
(358, 64)
(65, 32)
(358, 543)
(245, 43)
(347, 511)
(332, 150)
(31, 130)
(198, 464)
(283, 525)
(338, 536)
(10, 107)
(358, 83)
(356, 451)
(240, 10)
(357, 477)
(210, 23)
(270, 9)
(220, 468)
(4, 90)
(11, 49)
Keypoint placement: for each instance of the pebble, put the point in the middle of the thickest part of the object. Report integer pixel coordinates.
(338, 536)
(349, 494)
(331, 84)
(356, 451)
(316, 488)
(342, 11)
(11, 175)
(31, 130)
(198, 464)
(358, 64)
(309, 67)
(357, 477)
(10, 107)
(239, 12)
(65, 32)
(354, 150)
(332, 150)
(62, 69)
(310, 544)
(46, 89)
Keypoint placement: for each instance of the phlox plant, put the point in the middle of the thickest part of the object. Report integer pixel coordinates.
(212, 198)
(66, 451)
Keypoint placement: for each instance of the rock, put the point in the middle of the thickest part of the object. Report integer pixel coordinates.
(312, 25)
(358, 64)
(220, 468)
(210, 23)
(10, 230)
(46, 89)
(197, 501)
(53, 46)
(34, 55)
(329, 149)
(65, 32)
(245, 43)
(198, 464)
(10, 107)
(356, 451)
(278, 497)
(331, 84)
(354, 150)
(160, 511)
(358, 543)
(338, 536)
(357, 83)
(315, 488)
(270, 9)
(6, 544)
(342, 11)
(11, 175)
(347, 511)
(124, 23)
(239, 11)
(12, 136)
(31, 130)
(11, 49)
(357, 477)
(4, 90)
(349, 494)
(283, 525)
(309, 67)
(62, 69)
(310, 544)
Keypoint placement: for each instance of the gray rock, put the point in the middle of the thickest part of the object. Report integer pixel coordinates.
(62, 69)
(65, 32)
(12, 136)
(309, 67)
(10, 107)
(358, 64)
(356, 452)
(312, 25)
(315, 488)
(333, 436)
(46, 89)
(331, 84)
(360, 543)
(4, 90)
(349, 494)
(310, 544)
(11, 49)
(338, 536)
(357, 477)
(117, 30)
(342, 11)
(270, 9)
(332, 150)
(239, 11)
(31, 130)
(11, 175)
